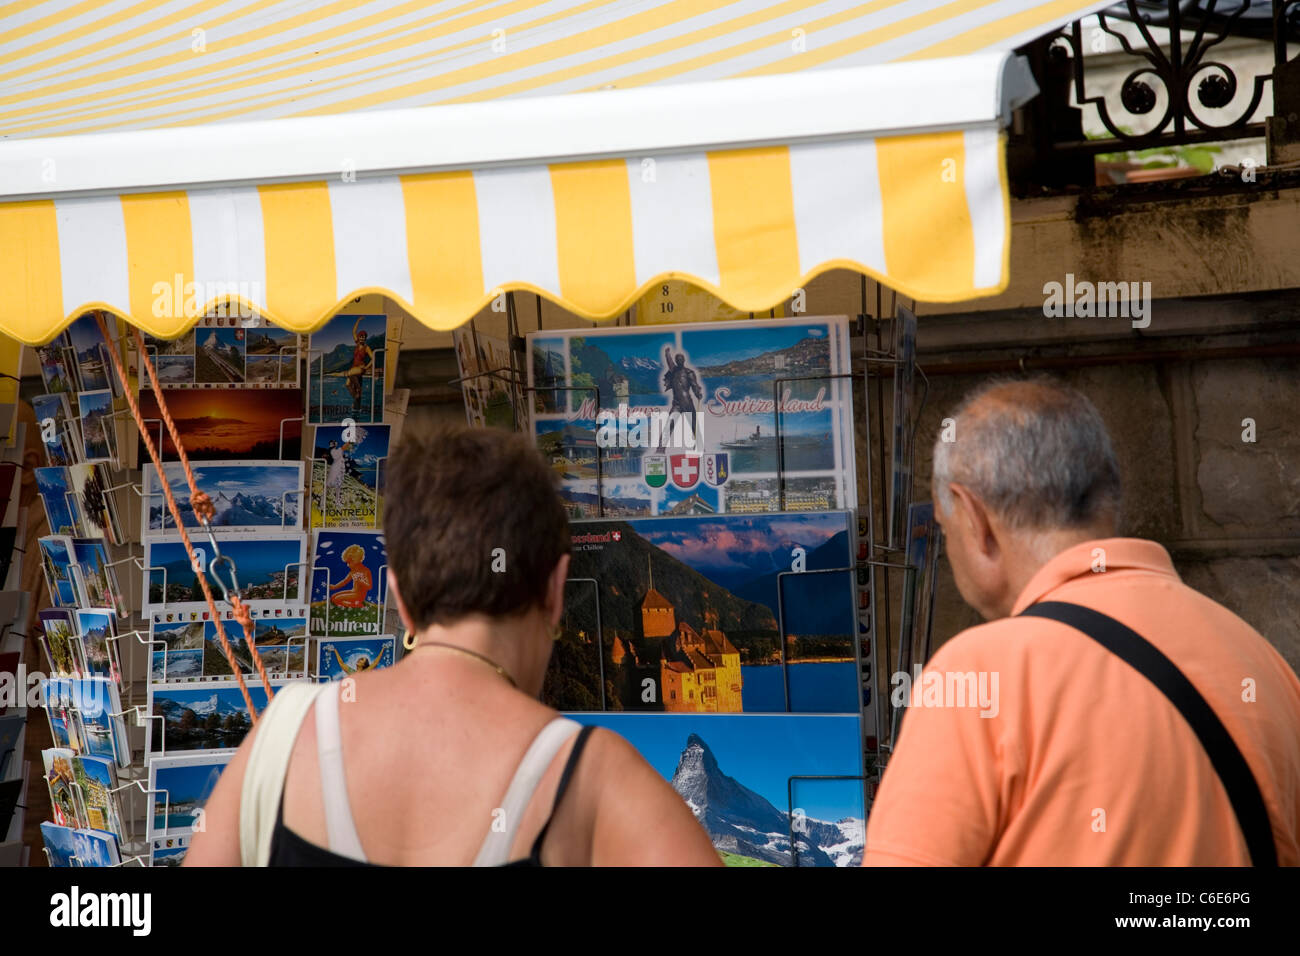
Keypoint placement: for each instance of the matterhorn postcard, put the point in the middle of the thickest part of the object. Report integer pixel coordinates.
(770, 789)
(684, 420)
(721, 614)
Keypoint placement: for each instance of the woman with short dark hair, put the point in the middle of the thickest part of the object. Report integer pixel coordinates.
(449, 758)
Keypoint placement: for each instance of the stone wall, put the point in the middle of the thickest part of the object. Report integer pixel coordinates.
(1227, 510)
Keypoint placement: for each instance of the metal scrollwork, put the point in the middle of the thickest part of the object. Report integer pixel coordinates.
(1189, 80)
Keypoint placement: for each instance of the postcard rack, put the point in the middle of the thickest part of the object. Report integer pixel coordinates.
(898, 361)
(129, 549)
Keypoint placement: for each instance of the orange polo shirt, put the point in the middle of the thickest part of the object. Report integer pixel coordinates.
(1085, 762)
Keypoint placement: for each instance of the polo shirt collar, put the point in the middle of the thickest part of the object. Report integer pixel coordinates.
(1119, 554)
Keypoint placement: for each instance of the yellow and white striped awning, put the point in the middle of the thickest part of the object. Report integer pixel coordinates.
(295, 156)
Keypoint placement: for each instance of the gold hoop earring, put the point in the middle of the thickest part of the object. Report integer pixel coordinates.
(409, 640)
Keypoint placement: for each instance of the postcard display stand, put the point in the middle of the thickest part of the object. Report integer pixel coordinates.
(718, 614)
(289, 437)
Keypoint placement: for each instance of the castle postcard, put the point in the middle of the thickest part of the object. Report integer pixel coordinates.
(720, 614)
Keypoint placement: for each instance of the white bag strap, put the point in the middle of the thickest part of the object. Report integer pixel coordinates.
(495, 850)
(339, 825)
(259, 801)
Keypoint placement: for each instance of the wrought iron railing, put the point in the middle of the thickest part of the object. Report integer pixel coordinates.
(1184, 67)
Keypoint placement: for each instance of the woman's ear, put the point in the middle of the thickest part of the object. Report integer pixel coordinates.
(401, 605)
(555, 591)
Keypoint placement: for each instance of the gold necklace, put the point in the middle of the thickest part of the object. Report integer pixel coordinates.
(474, 654)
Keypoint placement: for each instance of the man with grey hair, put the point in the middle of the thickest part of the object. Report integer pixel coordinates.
(1139, 722)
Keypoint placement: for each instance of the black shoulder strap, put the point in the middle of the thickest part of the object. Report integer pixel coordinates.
(1147, 660)
(569, 767)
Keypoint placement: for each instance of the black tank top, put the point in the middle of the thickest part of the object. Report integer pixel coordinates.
(289, 849)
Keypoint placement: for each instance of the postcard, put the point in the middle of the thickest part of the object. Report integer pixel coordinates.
(349, 584)
(272, 356)
(347, 476)
(226, 352)
(734, 416)
(493, 396)
(758, 782)
(176, 650)
(69, 846)
(173, 361)
(53, 415)
(227, 424)
(247, 495)
(57, 560)
(158, 348)
(346, 368)
(336, 660)
(53, 360)
(93, 368)
(219, 356)
(98, 437)
(59, 844)
(276, 631)
(288, 660)
(65, 798)
(215, 663)
(56, 695)
(55, 486)
(210, 715)
(98, 632)
(269, 569)
(96, 848)
(721, 613)
(97, 780)
(168, 851)
(98, 710)
(94, 502)
(179, 787)
(97, 579)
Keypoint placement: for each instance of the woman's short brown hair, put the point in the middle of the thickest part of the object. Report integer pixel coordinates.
(472, 521)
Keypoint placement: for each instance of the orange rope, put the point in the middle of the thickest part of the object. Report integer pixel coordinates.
(201, 505)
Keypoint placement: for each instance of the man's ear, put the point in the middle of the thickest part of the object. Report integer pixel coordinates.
(969, 509)
(401, 605)
(555, 591)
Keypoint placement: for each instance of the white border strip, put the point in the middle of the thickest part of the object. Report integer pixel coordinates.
(815, 105)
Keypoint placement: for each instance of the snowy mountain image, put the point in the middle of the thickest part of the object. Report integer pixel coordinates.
(206, 716)
(743, 823)
(640, 363)
(239, 509)
(752, 779)
(245, 495)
